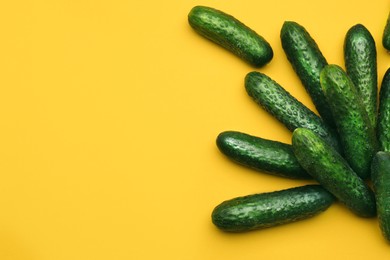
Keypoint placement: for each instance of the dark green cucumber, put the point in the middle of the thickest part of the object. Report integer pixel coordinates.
(383, 124)
(283, 106)
(386, 34)
(360, 59)
(332, 171)
(264, 210)
(230, 33)
(260, 154)
(381, 184)
(307, 61)
(357, 135)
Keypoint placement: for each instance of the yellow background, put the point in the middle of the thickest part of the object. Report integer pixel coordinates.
(109, 112)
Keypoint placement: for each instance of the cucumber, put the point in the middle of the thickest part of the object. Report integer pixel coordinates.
(357, 135)
(268, 209)
(383, 125)
(260, 154)
(360, 59)
(307, 61)
(381, 184)
(332, 171)
(386, 34)
(283, 106)
(230, 33)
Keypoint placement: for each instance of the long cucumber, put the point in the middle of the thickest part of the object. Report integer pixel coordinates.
(357, 134)
(284, 107)
(361, 66)
(333, 172)
(269, 209)
(231, 34)
(307, 60)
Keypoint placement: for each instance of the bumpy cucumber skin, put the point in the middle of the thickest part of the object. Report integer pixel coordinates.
(228, 32)
(264, 210)
(307, 61)
(386, 34)
(260, 154)
(383, 125)
(381, 184)
(283, 106)
(357, 135)
(361, 65)
(331, 170)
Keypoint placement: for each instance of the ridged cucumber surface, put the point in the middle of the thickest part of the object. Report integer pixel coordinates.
(261, 154)
(230, 33)
(360, 59)
(386, 34)
(284, 107)
(357, 135)
(307, 60)
(383, 126)
(330, 169)
(264, 210)
(381, 184)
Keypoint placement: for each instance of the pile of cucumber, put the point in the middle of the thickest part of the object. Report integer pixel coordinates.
(345, 149)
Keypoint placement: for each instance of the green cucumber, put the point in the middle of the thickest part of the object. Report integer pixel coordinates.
(307, 61)
(381, 184)
(357, 135)
(383, 124)
(230, 33)
(360, 59)
(283, 106)
(268, 209)
(386, 34)
(260, 154)
(332, 171)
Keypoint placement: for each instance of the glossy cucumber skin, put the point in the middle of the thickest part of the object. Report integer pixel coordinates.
(381, 184)
(386, 34)
(383, 125)
(260, 154)
(284, 107)
(228, 32)
(331, 170)
(264, 210)
(307, 61)
(361, 66)
(357, 135)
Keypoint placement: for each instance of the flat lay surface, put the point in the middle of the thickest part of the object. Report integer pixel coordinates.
(110, 112)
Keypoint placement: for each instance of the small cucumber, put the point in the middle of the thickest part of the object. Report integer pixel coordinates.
(330, 169)
(357, 135)
(228, 32)
(383, 125)
(263, 210)
(360, 59)
(381, 184)
(386, 34)
(283, 106)
(307, 61)
(260, 154)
